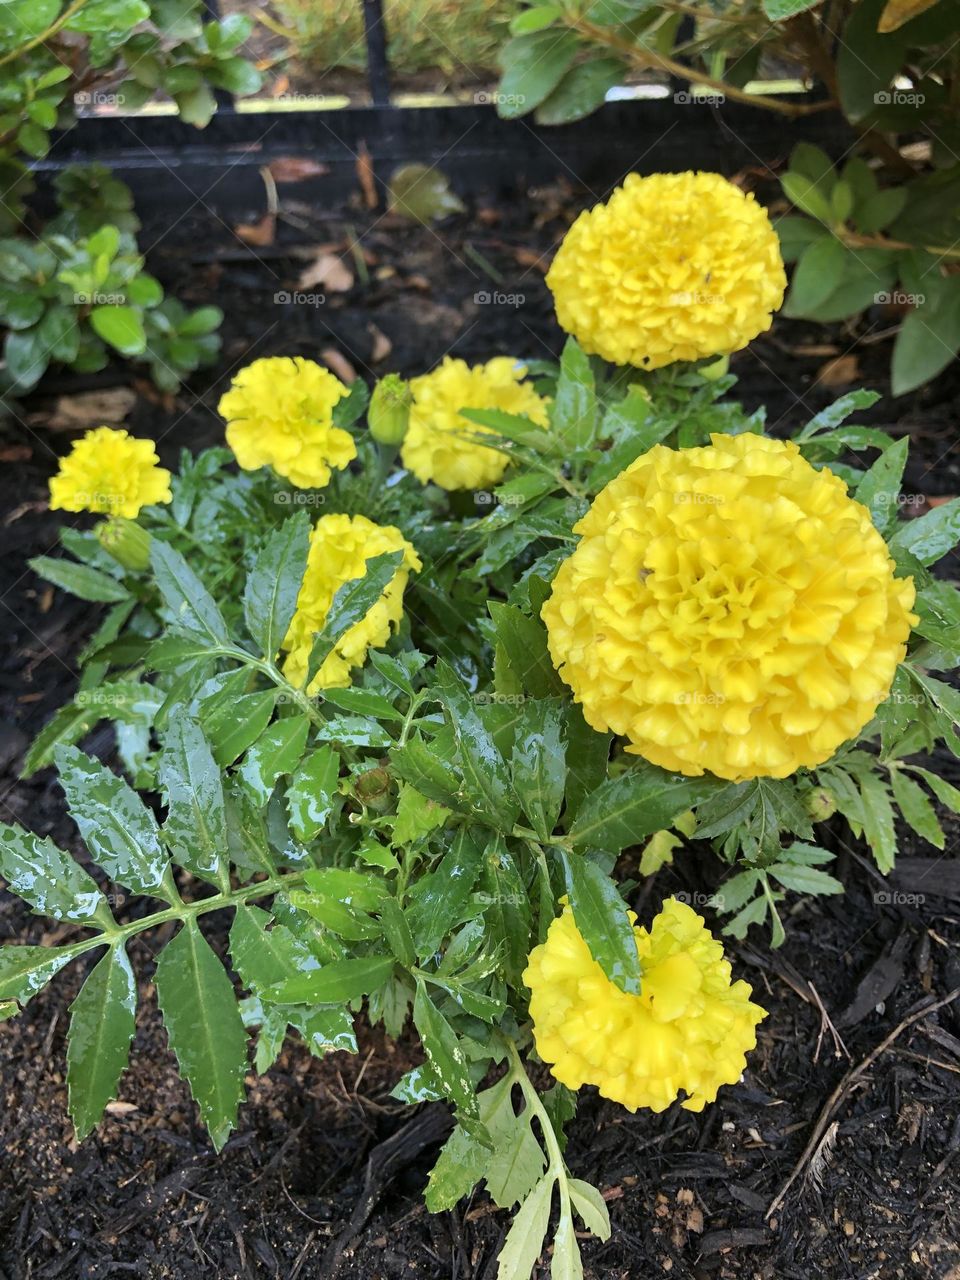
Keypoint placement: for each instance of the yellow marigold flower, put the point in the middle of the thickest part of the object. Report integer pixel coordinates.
(112, 471)
(688, 1030)
(340, 547)
(676, 266)
(437, 446)
(279, 413)
(729, 609)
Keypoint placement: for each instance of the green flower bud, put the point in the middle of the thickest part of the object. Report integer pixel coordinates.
(821, 804)
(717, 370)
(389, 410)
(125, 541)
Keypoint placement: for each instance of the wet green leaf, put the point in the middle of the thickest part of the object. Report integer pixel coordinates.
(102, 1024)
(204, 1027)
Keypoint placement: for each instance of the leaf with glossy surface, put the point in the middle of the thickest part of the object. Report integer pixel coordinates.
(438, 898)
(311, 793)
(335, 983)
(270, 596)
(623, 810)
(191, 604)
(275, 753)
(26, 970)
(444, 1053)
(539, 763)
(204, 1027)
(117, 827)
(352, 602)
(601, 917)
(195, 828)
(102, 1024)
(48, 879)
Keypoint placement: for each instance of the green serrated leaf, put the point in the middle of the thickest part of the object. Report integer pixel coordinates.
(48, 879)
(195, 828)
(118, 829)
(275, 753)
(102, 1025)
(270, 596)
(204, 1027)
(191, 604)
(311, 793)
(79, 579)
(621, 811)
(601, 916)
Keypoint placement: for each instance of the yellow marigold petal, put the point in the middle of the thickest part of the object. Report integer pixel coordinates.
(687, 1032)
(437, 446)
(111, 471)
(674, 266)
(729, 609)
(340, 547)
(279, 413)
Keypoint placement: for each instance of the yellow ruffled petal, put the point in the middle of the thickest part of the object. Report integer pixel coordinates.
(687, 1032)
(729, 609)
(279, 413)
(674, 266)
(437, 446)
(340, 547)
(110, 471)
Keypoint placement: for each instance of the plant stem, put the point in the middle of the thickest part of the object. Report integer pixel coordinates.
(646, 58)
(184, 911)
(44, 36)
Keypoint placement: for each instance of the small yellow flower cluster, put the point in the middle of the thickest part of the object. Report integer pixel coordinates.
(340, 547)
(438, 444)
(688, 1030)
(279, 413)
(729, 609)
(675, 266)
(110, 471)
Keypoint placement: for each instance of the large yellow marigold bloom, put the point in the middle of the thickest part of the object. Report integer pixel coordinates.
(676, 266)
(729, 609)
(279, 413)
(688, 1030)
(111, 471)
(437, 445)
(340, 547)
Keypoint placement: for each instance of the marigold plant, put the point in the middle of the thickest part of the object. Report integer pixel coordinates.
(350, 740)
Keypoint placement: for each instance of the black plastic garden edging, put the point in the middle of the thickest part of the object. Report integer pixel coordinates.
(171, 166)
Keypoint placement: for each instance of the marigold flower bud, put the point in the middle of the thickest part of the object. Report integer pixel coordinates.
(125, 541)
(389, 411)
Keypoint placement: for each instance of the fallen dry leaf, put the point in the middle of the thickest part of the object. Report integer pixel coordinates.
(328, 270)
(296, 168)
(365, 176)
(258, 233)
(280, 86)
(839, 372)
(91, 409)
(339, 364)
(897, 12)
(530, 258)
(382, 346)
(18, 452)
(120, 1108)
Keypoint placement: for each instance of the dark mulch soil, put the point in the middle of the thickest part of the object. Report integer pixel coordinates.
(325, 1174)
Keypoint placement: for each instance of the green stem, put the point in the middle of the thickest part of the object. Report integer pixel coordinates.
(184, 911)
(44, 36)
(557, 1166)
